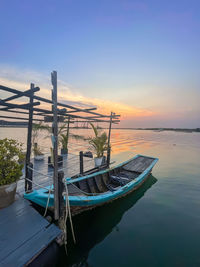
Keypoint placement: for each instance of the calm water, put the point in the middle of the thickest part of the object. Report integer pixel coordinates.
(159, 225)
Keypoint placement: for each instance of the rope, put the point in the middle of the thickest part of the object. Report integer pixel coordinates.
(64, 221)
(36, 184)
(69, 210)
(47, 203)
(39, 172)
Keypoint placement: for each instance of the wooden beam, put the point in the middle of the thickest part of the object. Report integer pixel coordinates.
(84, 121)
(21, 112)
(71, 107)
(65, 105)
(18, 118)
(19, 93)
(21, 106)
(94, 117)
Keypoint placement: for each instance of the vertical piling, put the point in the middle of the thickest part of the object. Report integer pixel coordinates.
(30, 177)
(29, 136)
(55, 144)
(68, 122)
(109, 134)
(81, 161)
(60, 193)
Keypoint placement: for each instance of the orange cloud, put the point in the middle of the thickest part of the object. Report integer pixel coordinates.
(66, 94)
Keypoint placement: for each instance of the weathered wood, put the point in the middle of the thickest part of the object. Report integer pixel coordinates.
(81, 161)
(24, 233)
(20, 94)
(55, 144)
(29, 136)
(68, 122)
(101, 185)
(83, 186)
(109, 133)
(60, 193)
(92, 186)
(20, 106)
(96, 182)
(88, 110)
(50, 119)
(17, 92)
(30, 177)
(105, 177)
(75, 109)
(18, 118)
(139, 164)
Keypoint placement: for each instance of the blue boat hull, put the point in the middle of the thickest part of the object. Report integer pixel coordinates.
(81, 201)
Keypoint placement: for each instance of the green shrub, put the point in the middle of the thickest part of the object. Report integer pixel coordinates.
(11, 156)
(98, 142)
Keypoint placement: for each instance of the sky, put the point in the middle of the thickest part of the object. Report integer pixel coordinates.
(137, 58)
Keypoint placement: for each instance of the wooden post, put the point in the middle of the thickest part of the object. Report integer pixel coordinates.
(68, 122)
(29, 136)
(55, 144)
(60, 193)
(30, 177)
(81, 161)
(109, 134)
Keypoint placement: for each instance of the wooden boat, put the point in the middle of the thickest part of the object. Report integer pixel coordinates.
(101, 187)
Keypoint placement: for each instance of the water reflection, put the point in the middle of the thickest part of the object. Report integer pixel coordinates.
(94, 226)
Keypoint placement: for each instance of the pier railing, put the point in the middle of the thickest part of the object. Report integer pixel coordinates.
(40, 109)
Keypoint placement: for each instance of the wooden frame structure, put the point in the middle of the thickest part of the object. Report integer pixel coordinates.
(30, 112)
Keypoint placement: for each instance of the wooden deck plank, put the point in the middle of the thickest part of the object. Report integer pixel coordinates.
(101, 185)
(92, 186)
(31, 247)
(20, 225)
(139, 164)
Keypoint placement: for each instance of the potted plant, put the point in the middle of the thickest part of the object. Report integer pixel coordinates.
(38, 155)
(64, 142)
(99, 144)
(63, 137)
(11, 158)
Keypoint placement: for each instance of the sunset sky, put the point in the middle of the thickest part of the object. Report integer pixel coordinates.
(137, 58)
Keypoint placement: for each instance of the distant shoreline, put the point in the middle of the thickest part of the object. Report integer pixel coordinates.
(187, 130)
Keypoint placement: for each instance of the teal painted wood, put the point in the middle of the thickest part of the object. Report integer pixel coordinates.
(40, 196)
(24, 233)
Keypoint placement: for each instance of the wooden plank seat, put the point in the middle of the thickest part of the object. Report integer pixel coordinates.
(138, 165)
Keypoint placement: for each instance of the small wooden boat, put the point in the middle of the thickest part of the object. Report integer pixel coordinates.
(101, 187)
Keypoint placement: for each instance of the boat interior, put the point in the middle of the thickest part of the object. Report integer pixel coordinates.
(111, 180)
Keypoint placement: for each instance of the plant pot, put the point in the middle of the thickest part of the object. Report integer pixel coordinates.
(7, 194)
(88, 154)
(60, 161)
(98, 161)
(39, 157)
(64, 151)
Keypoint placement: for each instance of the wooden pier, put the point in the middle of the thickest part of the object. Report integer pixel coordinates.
(43, 174)
(24, 234)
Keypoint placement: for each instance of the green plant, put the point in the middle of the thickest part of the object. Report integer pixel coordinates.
(37, 127)
(63, 134)
(98, 142)
(10, 157)
(37, 150)
(64, 141)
